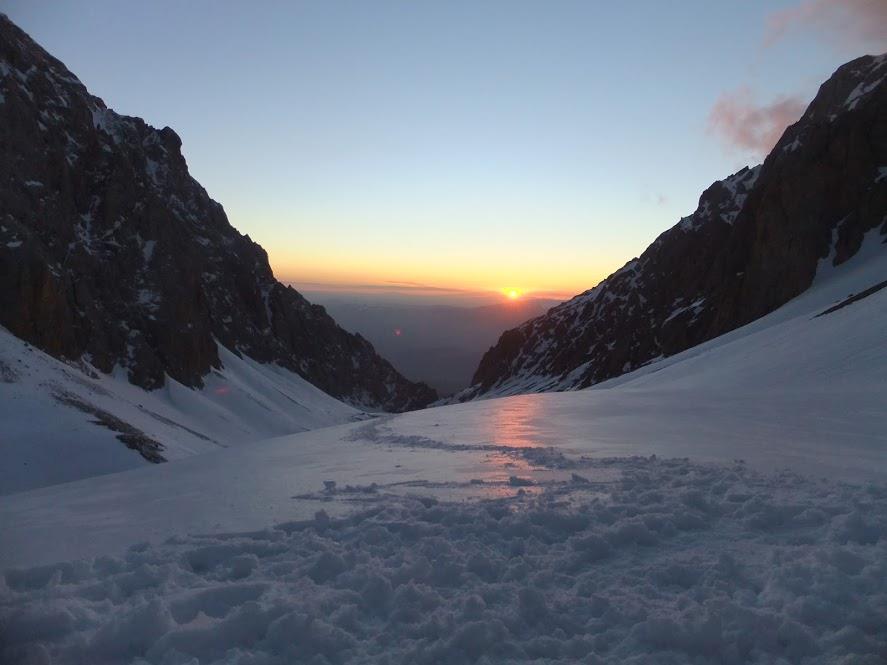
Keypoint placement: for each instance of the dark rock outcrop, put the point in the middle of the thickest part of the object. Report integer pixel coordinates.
(755, 241)
(110, 251)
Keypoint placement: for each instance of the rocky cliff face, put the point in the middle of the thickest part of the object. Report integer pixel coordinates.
(754, 242)
(111, 252)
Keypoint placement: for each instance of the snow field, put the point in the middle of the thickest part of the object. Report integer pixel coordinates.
(245, 401)
(663, 561)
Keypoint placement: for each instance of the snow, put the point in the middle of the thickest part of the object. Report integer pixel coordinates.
(109, 122)
(615, 524)
(148, 298)
(243, 402)
(156, 171)
(697, 306)
(744, 180)
(860, 91)
(148, 250)
(765, 353)
(661, 561)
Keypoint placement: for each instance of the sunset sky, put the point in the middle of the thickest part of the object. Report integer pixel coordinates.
(463, 146)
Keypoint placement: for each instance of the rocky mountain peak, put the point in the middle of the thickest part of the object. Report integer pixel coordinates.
(754, 242)
(112, 254)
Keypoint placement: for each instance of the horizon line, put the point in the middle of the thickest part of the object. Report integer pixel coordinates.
(409, 288)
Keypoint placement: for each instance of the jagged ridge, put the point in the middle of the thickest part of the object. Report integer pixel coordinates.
(111, 252)
(754, 242)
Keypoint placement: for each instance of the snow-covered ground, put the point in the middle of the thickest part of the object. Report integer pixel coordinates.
(791, 389)
(614, 524)
(664, 561)
(46, 439)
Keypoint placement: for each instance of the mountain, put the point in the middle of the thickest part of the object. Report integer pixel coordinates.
(755, 242)
(114, 257)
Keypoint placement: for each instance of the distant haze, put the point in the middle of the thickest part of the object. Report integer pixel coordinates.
(438, 344)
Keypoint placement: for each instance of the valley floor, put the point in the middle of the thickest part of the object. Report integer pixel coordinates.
(615, 524)
(638, 560)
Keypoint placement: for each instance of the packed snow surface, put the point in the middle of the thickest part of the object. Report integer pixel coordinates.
(665, 562)
(51, 432)
(725, 505)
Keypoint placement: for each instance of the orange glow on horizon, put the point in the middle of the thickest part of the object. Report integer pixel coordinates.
(368, 273)
(292, 263)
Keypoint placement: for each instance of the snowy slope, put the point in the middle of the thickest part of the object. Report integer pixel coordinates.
(788, 346)
(608, 525)
(790, 389)
(50, 409)
(753, 243)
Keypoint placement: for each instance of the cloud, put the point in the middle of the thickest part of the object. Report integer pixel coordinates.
(859, 24)
(747, 126)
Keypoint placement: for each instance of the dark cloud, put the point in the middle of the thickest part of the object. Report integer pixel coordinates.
(748, 126)
(860, 24)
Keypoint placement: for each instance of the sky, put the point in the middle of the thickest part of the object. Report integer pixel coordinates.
(463, 146)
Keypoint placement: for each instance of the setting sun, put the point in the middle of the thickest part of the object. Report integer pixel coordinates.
(512, 294)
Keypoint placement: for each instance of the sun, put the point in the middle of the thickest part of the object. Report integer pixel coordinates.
(512, 294)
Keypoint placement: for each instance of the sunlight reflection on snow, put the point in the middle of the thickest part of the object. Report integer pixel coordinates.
(514, 421)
